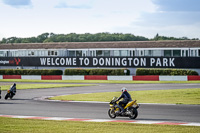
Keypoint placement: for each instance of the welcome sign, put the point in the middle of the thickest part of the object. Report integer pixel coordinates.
(126, 62)
(107, 62)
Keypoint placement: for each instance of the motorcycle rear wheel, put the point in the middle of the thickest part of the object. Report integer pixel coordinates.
(11, 96)
(111, 113)
(134, 113)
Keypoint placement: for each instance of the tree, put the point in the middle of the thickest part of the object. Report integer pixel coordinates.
(42, 37)
(87, 37)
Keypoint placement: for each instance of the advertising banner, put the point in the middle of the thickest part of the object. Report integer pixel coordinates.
(125, 62)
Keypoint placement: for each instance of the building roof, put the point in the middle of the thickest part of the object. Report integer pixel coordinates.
(117, 44)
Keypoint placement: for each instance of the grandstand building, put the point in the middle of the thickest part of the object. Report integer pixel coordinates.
(129, 54)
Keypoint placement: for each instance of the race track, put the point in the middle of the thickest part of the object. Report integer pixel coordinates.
(24, 103)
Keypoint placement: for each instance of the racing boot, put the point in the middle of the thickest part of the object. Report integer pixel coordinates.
(122, 110)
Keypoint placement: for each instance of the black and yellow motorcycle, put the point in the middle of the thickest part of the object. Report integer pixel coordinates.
(130, 109)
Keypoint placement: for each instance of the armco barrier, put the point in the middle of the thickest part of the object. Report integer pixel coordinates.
(147, 78)
(102, 77)
(172, 78)
(51, 77)
(95, 77)
(11, 76)
(193, 78)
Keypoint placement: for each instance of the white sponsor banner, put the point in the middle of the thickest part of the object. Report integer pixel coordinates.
(33, 77)
(120, 77)
(78, 77)
(172, 78)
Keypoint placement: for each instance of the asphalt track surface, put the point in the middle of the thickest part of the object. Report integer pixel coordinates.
(24, 103)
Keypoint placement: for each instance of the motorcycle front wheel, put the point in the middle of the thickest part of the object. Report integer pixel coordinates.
(6, 96)
(134, 113)
(111, 113)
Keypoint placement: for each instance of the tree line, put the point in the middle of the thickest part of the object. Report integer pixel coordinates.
(87, 37)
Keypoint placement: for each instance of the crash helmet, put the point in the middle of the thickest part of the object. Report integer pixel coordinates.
(124, 89)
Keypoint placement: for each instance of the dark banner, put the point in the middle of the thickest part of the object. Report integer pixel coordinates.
(142, 62)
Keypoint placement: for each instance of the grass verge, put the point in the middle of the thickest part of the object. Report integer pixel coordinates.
(175, 96)
(98, 81)
(37, 86)
(13, 125)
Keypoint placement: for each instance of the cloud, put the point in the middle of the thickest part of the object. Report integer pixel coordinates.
(17, 3)
(171, 18)
(178, 5)
(171, 13)
(64, 5)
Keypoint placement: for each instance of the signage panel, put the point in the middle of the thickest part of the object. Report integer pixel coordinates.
(127, 62)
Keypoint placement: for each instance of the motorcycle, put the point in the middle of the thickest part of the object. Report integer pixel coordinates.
(130, 109)
(11, 92)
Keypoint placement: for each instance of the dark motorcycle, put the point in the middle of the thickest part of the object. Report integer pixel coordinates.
(11, 92)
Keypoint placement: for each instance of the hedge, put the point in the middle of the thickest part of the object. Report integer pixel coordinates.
(96, 72)
(143, 71)
(30, 72)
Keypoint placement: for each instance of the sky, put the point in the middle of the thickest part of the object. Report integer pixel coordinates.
(28, 18)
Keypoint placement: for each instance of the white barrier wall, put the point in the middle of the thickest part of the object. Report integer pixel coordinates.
(72, 77)
(120, 77)
(172, 78)
(1, 76)
(33, 77)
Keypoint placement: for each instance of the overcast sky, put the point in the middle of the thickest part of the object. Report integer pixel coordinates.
(27, 18)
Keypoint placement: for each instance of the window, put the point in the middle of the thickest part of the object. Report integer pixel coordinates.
(51, 52)
(107, 53)
(71, 53)
(133, 53)
(84, 52)
(92, 53)
(157, 53)
(116, 53)
(193, 53)
(141, 52)
(148, 52)
(199, 52)
(184, 53)
(29, 53)
(167, 53)
(78, 53)
(99, 53)
(1, 53)
(176, 53)
(43, 53)
(124, 53)
(129, 53)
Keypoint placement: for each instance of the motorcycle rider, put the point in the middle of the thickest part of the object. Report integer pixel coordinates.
(13, 89)
(126, 98)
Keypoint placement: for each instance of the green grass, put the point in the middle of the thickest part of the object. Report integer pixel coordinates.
(175, 96)
(37, 86)
(13, 125)
(97, 81)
